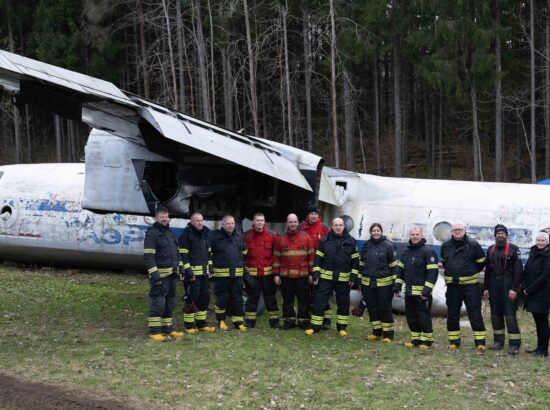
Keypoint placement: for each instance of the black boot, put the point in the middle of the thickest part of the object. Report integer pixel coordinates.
(250, 323)
(326, 324)
(498, 343)
(532, 351)
(288, 325)
(512, 350)
(274, 323)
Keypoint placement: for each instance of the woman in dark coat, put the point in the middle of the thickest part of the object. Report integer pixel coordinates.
(537, 291)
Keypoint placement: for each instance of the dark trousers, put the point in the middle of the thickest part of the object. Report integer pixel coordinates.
(229, 296)
(322, 295)
(299, 289)
(503, 310)
(543, 331)
(419, 319)
(379, 308)
(327, 313)
(162, 301)
(196, 301)
(255, 287)
(471, 296)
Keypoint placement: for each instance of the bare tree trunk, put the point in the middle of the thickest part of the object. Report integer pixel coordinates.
(333, 86)
(16, 117)
(28, 130)
(376, 115)
(440, 136)
(307, 78)
(58, 140)
(227, 87)
(478, 172)
(533, 95)
(397, 101)
(498, 98)
(547, 93)
(284, 13)
(145, 71)
(427, 128)
(181, 46)
(433, 135)
(212, 64)
(201, 55)
(171, 55)
(252, 69)
(348, 124)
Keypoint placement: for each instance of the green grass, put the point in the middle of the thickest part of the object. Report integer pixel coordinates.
(87, 331)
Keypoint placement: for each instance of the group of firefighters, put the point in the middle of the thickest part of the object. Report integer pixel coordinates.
(310, 263)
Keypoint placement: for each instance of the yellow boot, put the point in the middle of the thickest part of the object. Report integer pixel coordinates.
(410, 345)
(191, 331)
(452, 346)
(309, 332)
(343, 333)
(242, 328)
(207, 329)
(223, 326)
(387, 340)
(373, 338)
(158, 338)
(481, 348)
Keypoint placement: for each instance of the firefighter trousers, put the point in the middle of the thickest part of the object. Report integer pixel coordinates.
(419, 319)
(195, 302)
(379, 307)
(322, 295)
(162, 301)
(543, 331)
(299, 289)
(471, 296)
(229, 297)
(503, 310)
(327, 314)
(256, 286)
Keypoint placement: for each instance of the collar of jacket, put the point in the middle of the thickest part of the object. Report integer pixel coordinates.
(256, 233)
(460, 241)
(536, 251)
(195, 230)
(381, 239)
(417, 245)
(226, 234)
(289, 233)
(160, 226)
(332, 235)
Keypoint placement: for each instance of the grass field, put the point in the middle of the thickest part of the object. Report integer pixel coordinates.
(87, 331)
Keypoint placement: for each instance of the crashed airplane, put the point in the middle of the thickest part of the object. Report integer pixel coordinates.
(140, 154)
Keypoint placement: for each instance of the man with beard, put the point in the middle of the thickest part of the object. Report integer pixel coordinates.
(503, 275)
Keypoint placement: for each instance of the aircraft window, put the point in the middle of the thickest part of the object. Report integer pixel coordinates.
(442, 231)
(348, 222)
(6, 212)
(343, 184)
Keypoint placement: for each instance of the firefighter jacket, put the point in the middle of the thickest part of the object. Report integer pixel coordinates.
(161, 252)
(417, 269)
(314, 230)
(336, 258)
(195, 250)
(293, 255)
(378, 264)
(503, 260)
(462, 260)
(259, 260)
(228, 253)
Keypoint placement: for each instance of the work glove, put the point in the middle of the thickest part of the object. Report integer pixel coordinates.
(358, 310)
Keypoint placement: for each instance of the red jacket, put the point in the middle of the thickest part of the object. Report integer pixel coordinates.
(259, 259)
(315, 231)
(293, 255)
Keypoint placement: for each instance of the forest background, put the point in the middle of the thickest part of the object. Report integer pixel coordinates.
(420, 88)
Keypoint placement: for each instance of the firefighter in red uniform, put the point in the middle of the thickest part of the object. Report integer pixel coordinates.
(292, 266)
(259, 261)
(315, 229)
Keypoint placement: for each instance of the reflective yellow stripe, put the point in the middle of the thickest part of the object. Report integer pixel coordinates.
(224, 272)
(432, 266)
(149, 250)
(365, 280)
(361, 263)
(316, 320)
(400, 264)
(355, 271)
(294, 253)
(319, 253)
(386, 281)
(186, 266)
(416, 290)
(184, 250)
(400, 281)
(394, 263)
(152, 270)
(354, 255)
(342, 320)
(464, 280)
(166, 270)
(429, 285)
(245, 252)
(480, 260)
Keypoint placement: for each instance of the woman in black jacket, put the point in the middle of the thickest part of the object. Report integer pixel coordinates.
(537, 291)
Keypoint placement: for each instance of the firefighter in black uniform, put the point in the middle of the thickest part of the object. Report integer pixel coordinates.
(503, 275)
(163, 263)
(418, 270)
(377, 271)
(463, 259)
(335, 270)
(228, 252)
(195, 251)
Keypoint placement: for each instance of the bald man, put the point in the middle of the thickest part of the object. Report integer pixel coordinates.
(292, 267)
(335, 269)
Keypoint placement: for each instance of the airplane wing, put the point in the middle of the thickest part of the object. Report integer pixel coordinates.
(174, 135)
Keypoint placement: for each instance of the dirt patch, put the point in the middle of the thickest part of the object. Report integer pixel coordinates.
(20, 394)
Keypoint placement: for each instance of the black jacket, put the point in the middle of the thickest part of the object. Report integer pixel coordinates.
(228, 253)
(195, 250)
(418, 269)
(536, 276)
(462, 260)
(378, 265)
(498, 263)
(336, 258)
(161, 252)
